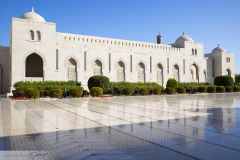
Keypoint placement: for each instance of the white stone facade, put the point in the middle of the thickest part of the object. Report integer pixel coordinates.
(38, 52)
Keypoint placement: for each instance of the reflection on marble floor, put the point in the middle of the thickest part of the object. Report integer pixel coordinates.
(139, 128)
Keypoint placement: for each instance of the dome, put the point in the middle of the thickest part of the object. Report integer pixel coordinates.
(184, 38)
(219, 49)
(32, 16)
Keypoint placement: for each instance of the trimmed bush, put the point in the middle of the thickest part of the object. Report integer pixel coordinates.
(85, 93)
(32, 93)
(76, 92)
(99, 81)
(96, 92)
(20, 93)
(181, 90)
(229, 88)
(236, 88)
(223, 81)
(172, 83)
(237, 79)
(220, 89)
(170, 90)
(157, 90)
(202, 89)
(44, 93)
(128, 91)
(144, 91)
(55, 93)
(211, 89)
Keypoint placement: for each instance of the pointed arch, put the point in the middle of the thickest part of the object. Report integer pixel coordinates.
(98, 70)
(121, 72)
(31, 35)
(194, 71)
(160, 74)
(39, 35)
(34, 66)
(72, 69)
(176, 73)
(228, 72)
(141, 72)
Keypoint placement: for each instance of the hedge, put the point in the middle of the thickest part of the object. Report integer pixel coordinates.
(55, 93)
(181, 90)
(96, 92)
(236, 88)
(211, 89)
(170, 90)
(76, 92)
(85, 93)
(99, 81)
(144, 91)
(172, 83)
(202, 89)
(229, 88)
(223, 81)
(220, 89)
(32, 93)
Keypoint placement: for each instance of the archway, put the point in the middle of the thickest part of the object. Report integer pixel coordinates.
(141, 72)
(98, 68)
(121, 72)
(34, 66)
(72, 69)
(194, 73)
(228, 72)
(176, 72)
(160, 74)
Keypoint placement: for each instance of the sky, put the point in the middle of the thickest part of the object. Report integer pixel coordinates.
(210, 22)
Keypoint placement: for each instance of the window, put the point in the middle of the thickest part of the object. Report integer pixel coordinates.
(130, 63)
(39, 35)
(150, 64)
(85, 61)
(184, 64)
(195, 51)
(57, 59)
(109, 59)
(228, 59)
(31, 35)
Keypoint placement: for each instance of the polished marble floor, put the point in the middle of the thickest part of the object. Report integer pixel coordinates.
(122, 128)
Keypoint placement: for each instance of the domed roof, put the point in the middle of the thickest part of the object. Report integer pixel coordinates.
(32, 16)
(219, 49)
(184, 38)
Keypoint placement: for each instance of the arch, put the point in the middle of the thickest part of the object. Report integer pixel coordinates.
(228, 72)
(34, 66)
(121, 72)
(98, 68)
(31, 35)
(176, 73)
(194, 73)
(141, 72)
(39, 35)
(160, 74)
(72, 69)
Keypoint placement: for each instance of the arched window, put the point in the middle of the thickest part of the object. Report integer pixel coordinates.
(39, 35)
(192, 51)
(31, 35)
(141, 72)
(72, 69)
(34, 66)
(195, 51)
(176, 72)
(160, 74)
(121, 72)
(98, 68)
(228, 72)
(194, 73)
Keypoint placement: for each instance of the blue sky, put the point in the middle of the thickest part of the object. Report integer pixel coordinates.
(210, 22)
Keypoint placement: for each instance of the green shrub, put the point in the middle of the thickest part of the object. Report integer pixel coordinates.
(99, 81)
(181, 90)
(172, 83)
(211, 89)
(202, 89)
(237, 79)
(96, 92)
(220, 89)
(44, 93)
(127, 90)
(144, 91)
(170, 90)
(229, 88)
(32, 93)
(85, 93)
(20, 93)
(223, 81)
(158, 90)
(76, 92)
(236, 88)
(55, 93)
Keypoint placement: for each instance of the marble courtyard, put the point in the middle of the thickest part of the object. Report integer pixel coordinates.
(126, 128)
